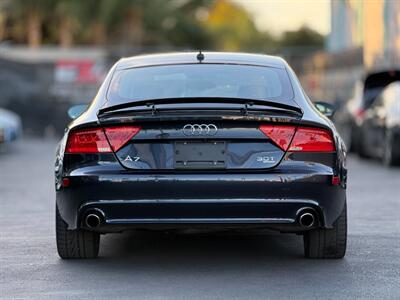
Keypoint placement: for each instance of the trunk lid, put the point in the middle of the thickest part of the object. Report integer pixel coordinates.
(200, 145)
(200, 134)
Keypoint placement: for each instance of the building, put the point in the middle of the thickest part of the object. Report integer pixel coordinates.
(373, 25)
(364, 38)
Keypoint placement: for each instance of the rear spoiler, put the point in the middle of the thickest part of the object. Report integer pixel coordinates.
(246, 102)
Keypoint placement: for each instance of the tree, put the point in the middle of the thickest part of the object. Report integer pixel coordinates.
(31, 14)
(188, 24)
(304, 37)
(232, 28)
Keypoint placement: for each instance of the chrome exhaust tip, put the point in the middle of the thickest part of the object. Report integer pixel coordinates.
(92, 220)
(307, 219)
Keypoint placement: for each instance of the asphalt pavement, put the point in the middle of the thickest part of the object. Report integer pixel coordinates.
(193, 265)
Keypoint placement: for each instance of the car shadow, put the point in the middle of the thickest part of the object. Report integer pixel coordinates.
(237, 266)
(221, 245)
(154, 250)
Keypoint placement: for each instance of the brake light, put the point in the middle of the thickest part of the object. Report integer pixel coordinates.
(119, 136)
(360, 113)
(87, 141)
(98, 141)
(66, 182)
(301, 139)
(312, 140)
(280, 134)
(335, 180)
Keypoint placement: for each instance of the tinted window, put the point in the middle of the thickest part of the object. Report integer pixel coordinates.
(370, 96)
(200, 80)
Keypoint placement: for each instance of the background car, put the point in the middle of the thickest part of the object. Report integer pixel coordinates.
(349, 117)
(10, 126)
(380, 127)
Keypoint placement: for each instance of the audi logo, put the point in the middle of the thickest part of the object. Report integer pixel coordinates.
(200, 129)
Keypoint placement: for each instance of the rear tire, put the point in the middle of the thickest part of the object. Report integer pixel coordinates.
(361, 148)
(327, 243)
(75, 243)
(348, 138)
(390, 157)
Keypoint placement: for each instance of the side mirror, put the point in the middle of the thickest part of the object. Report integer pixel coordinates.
(76, 110)
(325, 108)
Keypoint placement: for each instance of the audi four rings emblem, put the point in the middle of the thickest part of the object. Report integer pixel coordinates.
(200, 129)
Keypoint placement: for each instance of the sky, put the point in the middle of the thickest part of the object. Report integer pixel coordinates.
(277, 16)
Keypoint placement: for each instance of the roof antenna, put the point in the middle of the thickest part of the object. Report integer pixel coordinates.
(200, 56)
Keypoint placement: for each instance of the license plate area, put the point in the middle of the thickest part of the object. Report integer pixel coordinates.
(200, 155)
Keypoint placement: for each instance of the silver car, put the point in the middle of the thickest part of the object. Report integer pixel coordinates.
(10, 126)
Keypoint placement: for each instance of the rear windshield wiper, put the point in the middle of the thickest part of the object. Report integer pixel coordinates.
(152, 104)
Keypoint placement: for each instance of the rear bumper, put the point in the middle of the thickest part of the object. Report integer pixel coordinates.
(274, 214)
(271, 200)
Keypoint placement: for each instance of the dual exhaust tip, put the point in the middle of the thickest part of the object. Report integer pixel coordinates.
(93, 220)
(307, 219)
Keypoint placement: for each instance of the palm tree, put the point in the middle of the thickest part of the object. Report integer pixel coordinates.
(32, 13)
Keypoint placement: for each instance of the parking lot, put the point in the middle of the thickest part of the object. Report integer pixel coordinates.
(192, 266)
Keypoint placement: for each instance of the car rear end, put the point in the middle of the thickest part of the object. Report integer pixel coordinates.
(168, 165)
(263, 174)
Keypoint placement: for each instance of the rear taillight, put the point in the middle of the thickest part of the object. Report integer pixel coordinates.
(300, 139)
(99, 140)
(87, 141)
(280, 134)
(119, 136)
(312, 140)
(360, 113)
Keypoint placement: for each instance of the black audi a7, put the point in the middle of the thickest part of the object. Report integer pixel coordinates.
(200, 140)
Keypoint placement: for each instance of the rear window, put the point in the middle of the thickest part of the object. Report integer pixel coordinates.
(200, 80)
